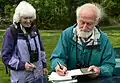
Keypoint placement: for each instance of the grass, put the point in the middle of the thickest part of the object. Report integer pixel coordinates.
(4, 78)
(114, 35)
(50, 39)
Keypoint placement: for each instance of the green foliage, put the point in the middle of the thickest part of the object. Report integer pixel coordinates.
(51, 14)
(59, 14)
(112, 10)
(7, 12)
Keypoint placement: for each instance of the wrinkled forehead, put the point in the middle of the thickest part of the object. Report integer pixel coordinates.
(88, 16)
(89, 13)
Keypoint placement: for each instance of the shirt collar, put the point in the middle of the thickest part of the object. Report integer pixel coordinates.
(93, 40)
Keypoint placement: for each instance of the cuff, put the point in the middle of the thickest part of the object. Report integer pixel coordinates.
(44, 65)
(21, 66)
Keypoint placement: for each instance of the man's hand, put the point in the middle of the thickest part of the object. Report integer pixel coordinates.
(61, 71)
(95, 69)
(29, 66)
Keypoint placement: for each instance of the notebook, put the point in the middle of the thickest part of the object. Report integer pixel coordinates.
(70, 73)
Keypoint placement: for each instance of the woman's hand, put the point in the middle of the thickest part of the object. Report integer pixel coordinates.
(29, 66)
(45, 71)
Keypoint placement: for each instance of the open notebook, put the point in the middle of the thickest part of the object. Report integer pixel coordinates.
(75, 72)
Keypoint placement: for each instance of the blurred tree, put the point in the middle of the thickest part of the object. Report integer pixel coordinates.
(51, 14)
(59, 14)
(72, 5)
(112, 11)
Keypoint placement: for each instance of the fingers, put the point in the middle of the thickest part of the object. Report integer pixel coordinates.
(33, 66)
(95, 69)
(45, 71)
(62, 71)
(29, 66)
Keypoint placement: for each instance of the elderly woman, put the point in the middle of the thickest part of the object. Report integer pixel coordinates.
(25, 58)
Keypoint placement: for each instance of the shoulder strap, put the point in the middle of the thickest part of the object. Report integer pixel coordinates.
(37, 30)
(14, 32)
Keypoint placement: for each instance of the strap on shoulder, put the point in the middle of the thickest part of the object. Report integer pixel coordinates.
(14, 32)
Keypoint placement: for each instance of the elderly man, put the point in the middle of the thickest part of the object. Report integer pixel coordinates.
(84, 45)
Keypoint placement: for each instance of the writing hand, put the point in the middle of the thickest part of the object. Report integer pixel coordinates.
(61, 70)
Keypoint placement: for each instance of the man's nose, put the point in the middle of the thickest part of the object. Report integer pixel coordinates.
(84, 26)
(28, 20)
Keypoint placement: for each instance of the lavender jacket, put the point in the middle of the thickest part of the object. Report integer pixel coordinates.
(16, 56)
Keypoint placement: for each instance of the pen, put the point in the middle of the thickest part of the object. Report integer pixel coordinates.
(30, 64)
(60, 66)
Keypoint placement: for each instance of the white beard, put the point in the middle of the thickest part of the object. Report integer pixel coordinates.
(84, 34)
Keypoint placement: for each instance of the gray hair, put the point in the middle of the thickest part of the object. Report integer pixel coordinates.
(24, 8)
(98, 8)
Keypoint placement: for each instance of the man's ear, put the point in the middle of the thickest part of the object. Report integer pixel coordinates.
(96, 23)
(77, 21)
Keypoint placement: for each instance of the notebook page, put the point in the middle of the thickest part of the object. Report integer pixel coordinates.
(75, 72)
(55, 76)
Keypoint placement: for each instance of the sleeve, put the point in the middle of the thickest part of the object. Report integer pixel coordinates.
(8, 50)
(107, 60)
(60, 52)
(43, 54)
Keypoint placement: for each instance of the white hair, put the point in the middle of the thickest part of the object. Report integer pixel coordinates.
(97, 8)
(24, 9)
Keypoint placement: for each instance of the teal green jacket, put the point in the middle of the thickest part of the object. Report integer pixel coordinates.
(102, 55)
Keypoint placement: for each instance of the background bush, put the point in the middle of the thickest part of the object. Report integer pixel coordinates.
(59, 14)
